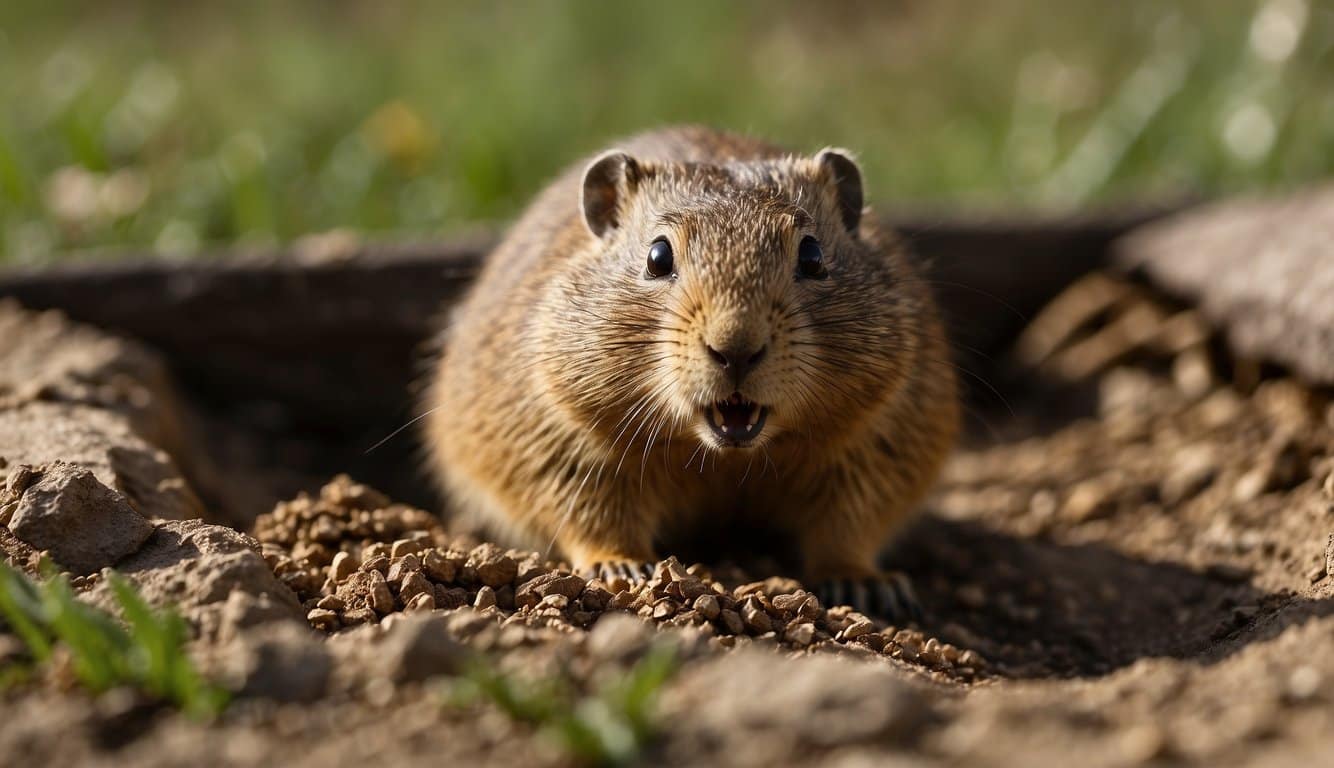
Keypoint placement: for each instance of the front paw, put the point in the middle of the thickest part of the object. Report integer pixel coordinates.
(889, 596)
(619, 574)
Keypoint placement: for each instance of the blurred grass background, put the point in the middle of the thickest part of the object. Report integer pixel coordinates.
(173, 126)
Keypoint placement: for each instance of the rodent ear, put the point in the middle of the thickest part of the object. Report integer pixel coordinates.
(839, 167)
(607, 182)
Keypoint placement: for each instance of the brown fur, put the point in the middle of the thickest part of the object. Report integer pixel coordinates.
(566, 406)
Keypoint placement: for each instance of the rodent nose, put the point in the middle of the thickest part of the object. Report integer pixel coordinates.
(736, 359)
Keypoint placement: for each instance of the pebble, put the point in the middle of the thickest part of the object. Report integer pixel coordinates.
(343, 565)
(494, 568)
(731, 621)
(379, 597)
(322, 618)
(857, 629)
(707, 606)
(755, 617)
(331, 603)
(486, 598)
(404, 547)
(422, 602)
(554, 583)
(400, 567)
(665, 608)
(595, 596)
(800, 633)
(414, 584)
(438, 567)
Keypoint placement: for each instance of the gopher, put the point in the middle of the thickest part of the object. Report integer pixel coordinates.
(694, 329)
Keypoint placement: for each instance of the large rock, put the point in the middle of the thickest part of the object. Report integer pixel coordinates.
(67, 511)
(197, 567)
(75, 394)
(1262, 270)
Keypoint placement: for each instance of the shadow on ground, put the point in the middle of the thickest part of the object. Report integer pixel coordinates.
(1038, 609)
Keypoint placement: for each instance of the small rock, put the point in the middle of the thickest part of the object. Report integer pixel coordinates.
(343, 565)
(731, 621)
(367, 589)
(67, 511)
(323, 619)
(665, 608)
(753, 614)
(857, 629)
(494, 568)
(486, 598)
(414, 584)
(531, 592)
(401, 567)
(707, 606)
(440, 568)
(800, 633)
(331, 603)
(404, 547)
(450, 597)
(1329, 555)
(595, 596)
(378, 563)
(421, 602)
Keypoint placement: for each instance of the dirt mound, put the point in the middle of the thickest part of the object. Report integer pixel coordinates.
(355, 558)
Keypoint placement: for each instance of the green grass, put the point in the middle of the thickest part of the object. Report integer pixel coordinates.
(610, 725)
(173, 126)
(147, 652)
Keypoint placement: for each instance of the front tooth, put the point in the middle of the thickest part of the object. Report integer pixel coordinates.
(717, 415)
(754, 416)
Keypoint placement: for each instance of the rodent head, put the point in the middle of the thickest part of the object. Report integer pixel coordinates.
(738, 303)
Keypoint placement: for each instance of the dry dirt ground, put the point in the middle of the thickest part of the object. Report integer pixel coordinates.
(1130, 561)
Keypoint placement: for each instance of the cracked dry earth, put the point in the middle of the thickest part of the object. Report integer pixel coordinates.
(1131, 564)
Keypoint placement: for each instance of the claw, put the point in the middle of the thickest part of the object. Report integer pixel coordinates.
(889, 596)
(628, 572)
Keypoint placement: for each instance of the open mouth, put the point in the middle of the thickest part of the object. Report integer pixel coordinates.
(736, 420)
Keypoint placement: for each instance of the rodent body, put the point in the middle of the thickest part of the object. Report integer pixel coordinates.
(787, 364)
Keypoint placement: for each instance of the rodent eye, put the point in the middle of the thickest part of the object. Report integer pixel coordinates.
(660, 260)
(810, 259)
